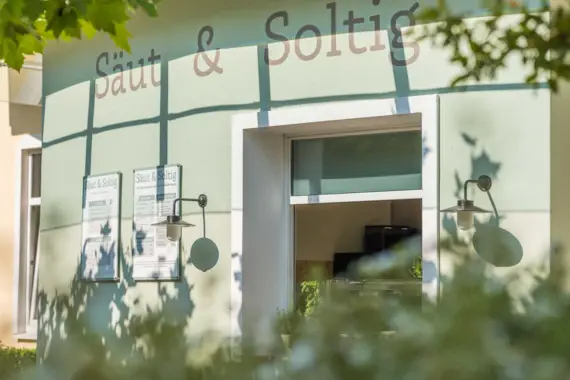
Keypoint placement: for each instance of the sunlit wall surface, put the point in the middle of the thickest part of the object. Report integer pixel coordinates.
(173, 103)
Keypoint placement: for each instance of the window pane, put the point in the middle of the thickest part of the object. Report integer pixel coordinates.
(357, 164)
(33, 260)
(36, 189)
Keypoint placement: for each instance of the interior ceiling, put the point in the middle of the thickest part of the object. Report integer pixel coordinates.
(356, 125)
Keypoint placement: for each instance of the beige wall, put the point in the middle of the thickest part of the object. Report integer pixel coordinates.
(407, 213)
(322, 230)
(8, 144)
(10, 137)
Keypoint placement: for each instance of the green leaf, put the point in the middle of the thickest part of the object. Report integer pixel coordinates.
(553, 84)
(41, 29)
(460, 79)
(12, 56)
(14, 8)
(429, 14)
(88, 30)
(149, 8)
(104, 14)
(121, 37)
(33, 9)
(56, 23)
(30, 44)
(532, 78)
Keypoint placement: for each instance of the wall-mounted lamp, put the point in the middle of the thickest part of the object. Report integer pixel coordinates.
(174, 223)
(465, 208)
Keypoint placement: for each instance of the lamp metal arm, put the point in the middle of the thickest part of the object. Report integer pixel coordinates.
(484, 184)
(494, 207)
(202, 201)
(465, 187)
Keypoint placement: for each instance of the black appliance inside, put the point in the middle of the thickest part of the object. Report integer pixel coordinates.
(378, 239)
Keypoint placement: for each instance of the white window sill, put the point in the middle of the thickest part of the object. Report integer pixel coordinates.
(26, 337)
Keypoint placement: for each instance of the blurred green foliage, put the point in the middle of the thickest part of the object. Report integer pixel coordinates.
(14, 361)
(26, 25)
(476, 329)
(538, 40)
(287, 322)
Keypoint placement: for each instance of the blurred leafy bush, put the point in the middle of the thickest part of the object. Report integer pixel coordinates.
(477, 329)
(13, 361)
(287, 322)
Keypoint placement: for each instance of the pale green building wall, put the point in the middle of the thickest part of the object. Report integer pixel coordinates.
(499, 128)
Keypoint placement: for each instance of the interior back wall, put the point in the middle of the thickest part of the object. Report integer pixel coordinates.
(322, 230)
(407, 212)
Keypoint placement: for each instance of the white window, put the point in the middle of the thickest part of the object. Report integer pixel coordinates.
(27, 242)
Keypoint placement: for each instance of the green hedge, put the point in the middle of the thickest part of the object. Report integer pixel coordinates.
(14, 360)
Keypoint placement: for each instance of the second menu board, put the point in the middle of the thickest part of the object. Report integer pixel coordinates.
(154, 256)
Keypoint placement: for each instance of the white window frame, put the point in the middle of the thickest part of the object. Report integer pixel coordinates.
(24, 327)
(295, 200)
(336, 119)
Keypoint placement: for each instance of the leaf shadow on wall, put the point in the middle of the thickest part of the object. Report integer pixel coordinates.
(237, 277)
(102, 331)
(105, 255)
(493, 244)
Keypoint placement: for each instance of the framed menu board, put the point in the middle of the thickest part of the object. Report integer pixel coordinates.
(155, 258)
(100, 227)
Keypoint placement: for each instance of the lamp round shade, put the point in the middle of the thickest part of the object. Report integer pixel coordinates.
(497, 246)
(204, 254)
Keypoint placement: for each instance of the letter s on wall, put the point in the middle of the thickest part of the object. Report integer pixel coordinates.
(102, 74)
(277, 37)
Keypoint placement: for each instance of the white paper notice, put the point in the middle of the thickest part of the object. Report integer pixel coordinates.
(100, 227)
(154, 256)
